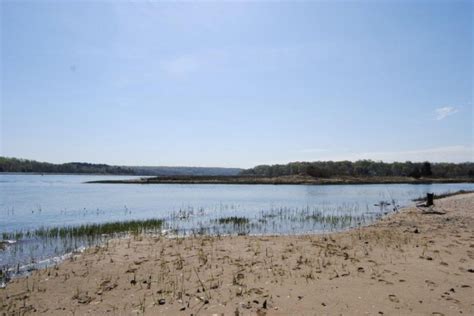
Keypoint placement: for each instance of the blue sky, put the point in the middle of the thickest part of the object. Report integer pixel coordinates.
(236, 84)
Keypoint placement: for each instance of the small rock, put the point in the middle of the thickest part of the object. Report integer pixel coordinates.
(162, 301)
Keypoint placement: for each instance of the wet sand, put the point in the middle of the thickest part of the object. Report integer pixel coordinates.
(406, 263)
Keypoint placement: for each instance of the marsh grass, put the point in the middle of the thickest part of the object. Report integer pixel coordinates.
(336, 221)
(319, 218)
(89, 230)
(47, 242)
(234, 220)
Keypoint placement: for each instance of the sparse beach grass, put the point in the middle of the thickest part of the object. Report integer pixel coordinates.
(406, 263)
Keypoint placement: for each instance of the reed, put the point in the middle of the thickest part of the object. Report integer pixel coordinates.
(90, 230)
(234, 220)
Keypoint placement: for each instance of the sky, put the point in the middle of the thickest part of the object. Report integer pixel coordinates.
(236, 84)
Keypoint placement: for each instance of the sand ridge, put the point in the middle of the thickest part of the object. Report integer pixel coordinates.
(406, 263)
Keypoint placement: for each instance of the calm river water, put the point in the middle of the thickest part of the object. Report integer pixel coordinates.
(28, 202)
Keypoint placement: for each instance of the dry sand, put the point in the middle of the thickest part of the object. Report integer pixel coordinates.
(407, 263)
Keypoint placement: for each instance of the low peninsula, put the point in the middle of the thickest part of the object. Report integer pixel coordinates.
(282, 180)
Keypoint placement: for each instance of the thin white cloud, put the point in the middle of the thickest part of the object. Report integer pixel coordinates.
(196, 61)
(181, 66)
(444, 112)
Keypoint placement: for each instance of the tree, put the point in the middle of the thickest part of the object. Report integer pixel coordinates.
(415, 173)
(426, 169)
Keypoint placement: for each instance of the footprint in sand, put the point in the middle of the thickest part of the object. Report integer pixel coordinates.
(385, 281)
(430, 283)
(393, 298)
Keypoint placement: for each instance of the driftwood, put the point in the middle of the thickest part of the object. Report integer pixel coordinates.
(428, 207)
(431, 210)
(429, 202)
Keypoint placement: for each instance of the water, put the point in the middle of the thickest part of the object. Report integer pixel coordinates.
(29, 202)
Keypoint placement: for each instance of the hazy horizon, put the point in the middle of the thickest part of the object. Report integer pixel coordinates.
(236, 84)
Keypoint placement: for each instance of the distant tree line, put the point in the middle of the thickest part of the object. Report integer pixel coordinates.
(185, 171)
(24, 165)
(318, 169)
(365, 168)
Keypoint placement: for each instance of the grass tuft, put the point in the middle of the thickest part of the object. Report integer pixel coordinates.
(234, 220)
(90, 230)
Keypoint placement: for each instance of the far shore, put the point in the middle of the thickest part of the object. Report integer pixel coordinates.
(283, 180)
(416, 261)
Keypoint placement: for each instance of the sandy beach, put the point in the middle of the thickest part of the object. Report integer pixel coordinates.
(406, 263)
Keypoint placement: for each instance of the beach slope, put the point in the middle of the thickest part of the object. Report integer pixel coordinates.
(406, 263)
